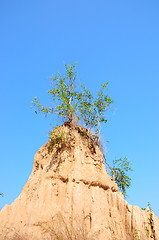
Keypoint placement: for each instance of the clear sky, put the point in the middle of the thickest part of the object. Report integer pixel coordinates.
(115, 41)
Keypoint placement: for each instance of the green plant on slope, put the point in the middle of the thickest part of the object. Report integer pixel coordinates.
(57, 138)
(70, 100)
(151, 224)
(148, 232)
(119, 172)
(137, 235)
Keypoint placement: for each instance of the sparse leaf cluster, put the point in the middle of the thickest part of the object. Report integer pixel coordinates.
(119, 172)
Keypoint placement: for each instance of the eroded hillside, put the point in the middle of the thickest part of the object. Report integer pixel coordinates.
(70, 196)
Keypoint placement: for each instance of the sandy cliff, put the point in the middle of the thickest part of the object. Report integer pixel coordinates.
(69, 195)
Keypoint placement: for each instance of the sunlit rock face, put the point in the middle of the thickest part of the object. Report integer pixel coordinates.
(70, 196)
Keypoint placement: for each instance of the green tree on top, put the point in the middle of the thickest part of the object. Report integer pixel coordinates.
(71, 101)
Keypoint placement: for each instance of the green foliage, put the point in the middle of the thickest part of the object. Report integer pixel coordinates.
(75, 102)
(119, 172)
(57, 138)
(147, 231)
(149, 206)
(137, 235)
(150, 222)
(1, 194)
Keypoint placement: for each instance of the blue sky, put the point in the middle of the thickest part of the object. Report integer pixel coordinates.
(115, 41)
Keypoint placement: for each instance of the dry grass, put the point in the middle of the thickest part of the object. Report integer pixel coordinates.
(60, 229)
(11, 234)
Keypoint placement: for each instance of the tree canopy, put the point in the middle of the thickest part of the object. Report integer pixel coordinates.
(72, 100)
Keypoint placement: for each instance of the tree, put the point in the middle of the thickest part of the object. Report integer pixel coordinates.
(119, 173)
(71, 101)
(1, 194)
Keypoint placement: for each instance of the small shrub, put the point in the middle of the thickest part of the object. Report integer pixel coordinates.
(57, 139)
(119, 173)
